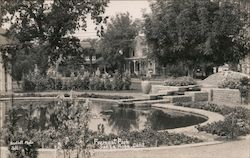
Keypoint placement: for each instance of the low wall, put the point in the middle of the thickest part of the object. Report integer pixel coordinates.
(225, 96)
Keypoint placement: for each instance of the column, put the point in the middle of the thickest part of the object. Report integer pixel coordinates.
(9, 82)
(2, 78)
(134, 66)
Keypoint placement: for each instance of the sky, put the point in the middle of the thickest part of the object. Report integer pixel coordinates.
(134, 7)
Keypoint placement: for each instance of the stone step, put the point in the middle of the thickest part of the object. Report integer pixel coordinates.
(159, 95)
(149, 102)
(134, 99)
(178, 98)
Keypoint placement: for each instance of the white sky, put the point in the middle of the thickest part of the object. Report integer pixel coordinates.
(134, 7)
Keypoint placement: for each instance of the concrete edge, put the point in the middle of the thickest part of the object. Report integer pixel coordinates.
(211, 116)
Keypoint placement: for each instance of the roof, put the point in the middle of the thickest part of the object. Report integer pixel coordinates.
(85, 44)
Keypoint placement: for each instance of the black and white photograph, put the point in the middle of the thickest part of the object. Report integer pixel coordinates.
(124, 78)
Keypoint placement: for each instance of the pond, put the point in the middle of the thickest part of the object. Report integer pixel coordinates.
(104, 117)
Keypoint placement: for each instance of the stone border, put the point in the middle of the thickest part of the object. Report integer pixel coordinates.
(211, 116)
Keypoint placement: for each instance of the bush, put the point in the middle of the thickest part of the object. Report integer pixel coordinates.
(244, 87)
(236, 123)
(231, 127)
(117, 83)
(150, 138)
(78, 84)
(106, 82)
(232, 83)
(180, 81)
(85, 84)
(28, 85)
(127, 80)
(41, 83)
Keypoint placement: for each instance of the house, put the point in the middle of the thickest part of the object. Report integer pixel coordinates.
(138, 62)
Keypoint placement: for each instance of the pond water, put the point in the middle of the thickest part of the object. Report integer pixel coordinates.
(110, 118)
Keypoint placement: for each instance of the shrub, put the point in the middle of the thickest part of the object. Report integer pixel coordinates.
(41, 83)
(236, 123)
(244, 88)
(117, 83)
(106, 82)
(231, 127)
(51, 84)
(179, 81)
(58, 84)
(150, 138)
(78, 84)
(232, 83)
(127, 80)
(85, 80)
(28, 85)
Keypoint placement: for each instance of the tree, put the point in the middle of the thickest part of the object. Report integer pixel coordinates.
(47, 27)
(117, 41)
(196, 31)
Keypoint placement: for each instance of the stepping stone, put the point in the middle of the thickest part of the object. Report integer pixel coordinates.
(150, 102)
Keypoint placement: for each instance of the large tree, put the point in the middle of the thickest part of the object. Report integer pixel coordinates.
(196, 31)
(48, 27)
(117, 40)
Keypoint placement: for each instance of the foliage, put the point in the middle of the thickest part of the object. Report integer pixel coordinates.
(244, 87)
(240, 83)
(150, 138)
(232, 83)
(231, 127)
(127, 80)
(236, 123)
(117, 82)
(179, 81)
(28, 85)
(64, 125)
(117, 41)
(107, 82)
(16, 138)
(46, 28)
(197, 31)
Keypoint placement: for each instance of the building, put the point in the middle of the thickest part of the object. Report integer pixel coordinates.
(138, 62)
(5, 78)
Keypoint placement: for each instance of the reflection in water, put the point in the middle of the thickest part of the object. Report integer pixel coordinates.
(123, 119)
(159, 119)
(42, 115)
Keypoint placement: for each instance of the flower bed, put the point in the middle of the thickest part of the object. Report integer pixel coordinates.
(236, 123)
(83, 95)
(179, 81)
(146, 138)
(36, 82)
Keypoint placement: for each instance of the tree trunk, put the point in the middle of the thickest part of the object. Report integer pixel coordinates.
(190, 71)
(91, 64)
(233, 66)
